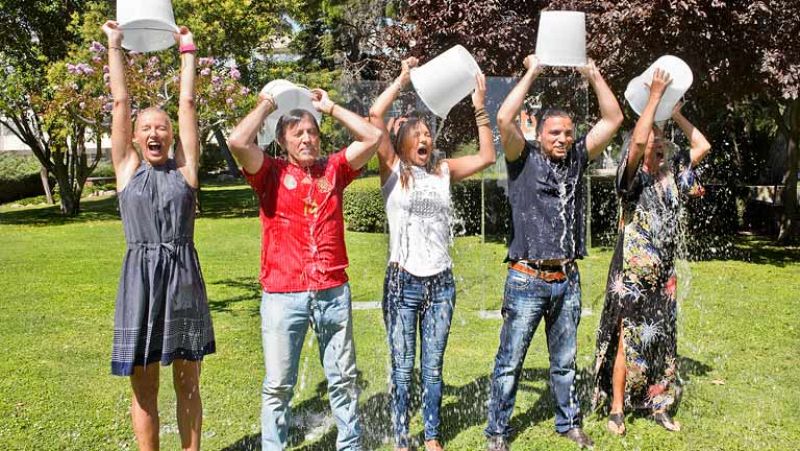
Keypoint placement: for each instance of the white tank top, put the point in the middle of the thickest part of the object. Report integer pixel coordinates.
(419, 220)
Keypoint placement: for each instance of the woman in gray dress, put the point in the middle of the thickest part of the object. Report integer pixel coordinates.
(161, 309)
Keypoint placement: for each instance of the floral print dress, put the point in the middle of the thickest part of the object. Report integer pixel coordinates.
(641, 287)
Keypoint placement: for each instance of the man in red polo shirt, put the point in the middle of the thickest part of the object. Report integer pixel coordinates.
(303, 257)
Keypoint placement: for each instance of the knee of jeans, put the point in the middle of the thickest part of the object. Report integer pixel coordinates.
(431, 374)
(402, 374)
(275, 390)
(563, 362)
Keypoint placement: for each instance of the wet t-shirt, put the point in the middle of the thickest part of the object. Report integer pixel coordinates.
(302, 223)
(548, 212)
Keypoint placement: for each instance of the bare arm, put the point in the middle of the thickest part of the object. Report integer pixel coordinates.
(463, 167)
(511, 136)
(386, 154)
(610, 113)
(698, 143)
(644, 126)
(187, 154)
(367, 135)
(123, 155)
(242, 139)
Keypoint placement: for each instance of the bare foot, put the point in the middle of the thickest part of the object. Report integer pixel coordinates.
(616, 423)
(433, 445)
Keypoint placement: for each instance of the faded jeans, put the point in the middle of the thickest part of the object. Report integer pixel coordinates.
(527, 300)
(285, 318)
(407, 301)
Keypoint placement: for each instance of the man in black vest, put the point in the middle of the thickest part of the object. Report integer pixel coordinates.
(546, 192)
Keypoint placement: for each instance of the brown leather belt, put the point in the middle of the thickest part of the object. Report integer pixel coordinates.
(548, 274)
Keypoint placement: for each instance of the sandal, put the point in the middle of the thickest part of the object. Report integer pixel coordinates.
(616, 423)
(665, 421)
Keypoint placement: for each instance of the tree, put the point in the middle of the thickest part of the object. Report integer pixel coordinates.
(741, 53)
(35, 34)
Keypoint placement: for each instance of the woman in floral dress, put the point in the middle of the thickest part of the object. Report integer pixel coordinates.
(636, 342)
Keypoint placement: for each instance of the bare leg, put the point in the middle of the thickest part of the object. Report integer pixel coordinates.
(186, 379)
(144, 406)
(618, 385)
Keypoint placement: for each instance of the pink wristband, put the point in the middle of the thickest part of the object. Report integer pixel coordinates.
(187, 48)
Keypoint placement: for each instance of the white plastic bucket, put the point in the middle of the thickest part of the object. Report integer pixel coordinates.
(561, 38)
(443, 81)
(637, 93)
(288, 96)
(147, 25)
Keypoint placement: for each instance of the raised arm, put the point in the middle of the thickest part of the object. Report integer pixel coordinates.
(610, 113)
(386, 154)
(187, 153)
(367, 135)
(242, 140)
(698, 143)
(123, 155)
(644, 126)
(463, 167)
(511, 136)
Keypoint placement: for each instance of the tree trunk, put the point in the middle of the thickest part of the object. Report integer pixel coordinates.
(70, 203)
(788, 220)
(46, 185)
(233, 169)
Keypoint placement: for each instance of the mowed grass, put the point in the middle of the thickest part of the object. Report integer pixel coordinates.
(739, 341)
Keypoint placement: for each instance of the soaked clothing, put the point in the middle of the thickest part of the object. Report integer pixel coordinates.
(418, 289)
(161, 309)
(548, 207)
(419, 220)
(302, 223)
(641, 287)
(548, 223)
(408, 301)
(526, 301)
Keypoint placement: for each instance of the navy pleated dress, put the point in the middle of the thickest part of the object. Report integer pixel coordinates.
(162, 309)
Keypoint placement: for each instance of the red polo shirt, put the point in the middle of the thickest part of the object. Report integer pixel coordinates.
(302, 226)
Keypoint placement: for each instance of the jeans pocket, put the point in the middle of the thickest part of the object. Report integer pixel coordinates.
(517, 281)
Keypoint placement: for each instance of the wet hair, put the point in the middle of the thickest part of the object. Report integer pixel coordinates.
(148, 110)
(402, 138)
(293, 117)
(547, 114)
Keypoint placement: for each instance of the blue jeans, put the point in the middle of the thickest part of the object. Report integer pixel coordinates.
(407, 300)
(284, 321)
(527, 299)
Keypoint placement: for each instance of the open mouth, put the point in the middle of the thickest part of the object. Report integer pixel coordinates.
(422, 150)
(154, 147)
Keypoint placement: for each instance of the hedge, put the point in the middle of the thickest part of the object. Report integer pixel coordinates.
(19, 177)
(710, 221)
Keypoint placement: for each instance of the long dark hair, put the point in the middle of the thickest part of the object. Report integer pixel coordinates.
(402, 138)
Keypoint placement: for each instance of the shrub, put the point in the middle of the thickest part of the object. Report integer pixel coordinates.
(363, 209)
(19, 177)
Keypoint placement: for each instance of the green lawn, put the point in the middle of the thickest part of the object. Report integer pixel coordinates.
(739, 342)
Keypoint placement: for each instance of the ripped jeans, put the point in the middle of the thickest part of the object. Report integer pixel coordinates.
(407, 301)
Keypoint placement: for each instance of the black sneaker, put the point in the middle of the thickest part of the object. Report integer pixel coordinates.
(497, 443)
(578, 436)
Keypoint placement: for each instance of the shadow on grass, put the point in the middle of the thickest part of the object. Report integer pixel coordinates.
(225, 201)
(228, 201)
(105, 209)
(251, 292)
(466, 411)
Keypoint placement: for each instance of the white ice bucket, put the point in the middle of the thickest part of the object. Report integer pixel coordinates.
(443, 81)
(561, 38)
(147, 25)
(637, 92)
(288, 96)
